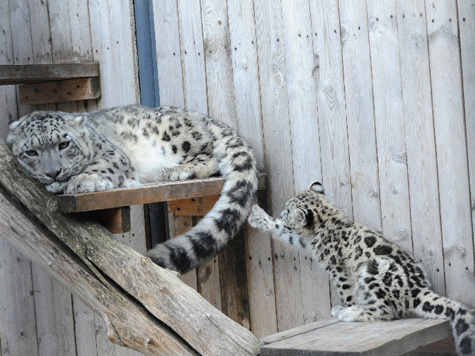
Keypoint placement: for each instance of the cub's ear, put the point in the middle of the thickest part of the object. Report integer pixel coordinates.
(317, 187)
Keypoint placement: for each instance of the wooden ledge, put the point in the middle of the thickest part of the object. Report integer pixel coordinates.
(35, 73)
(144, 194)
(331, 337)
(111, 208)
(53, 83)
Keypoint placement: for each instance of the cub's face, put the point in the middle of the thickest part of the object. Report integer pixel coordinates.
(51, 146)
(310, 211)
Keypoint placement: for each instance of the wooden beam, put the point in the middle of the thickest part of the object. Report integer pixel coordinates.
(157, 291)
(34, 73)
(144, 194)
(60, 91)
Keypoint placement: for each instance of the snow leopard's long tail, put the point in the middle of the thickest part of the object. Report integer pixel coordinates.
(434, 306)
(238, 166)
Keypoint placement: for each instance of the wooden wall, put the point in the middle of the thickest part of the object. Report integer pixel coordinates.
(374, 99)
(37, 315)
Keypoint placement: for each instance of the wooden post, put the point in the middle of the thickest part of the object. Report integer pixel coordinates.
(100, 264)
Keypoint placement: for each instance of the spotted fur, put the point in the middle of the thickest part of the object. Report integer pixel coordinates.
(375, 279)
(133, 145)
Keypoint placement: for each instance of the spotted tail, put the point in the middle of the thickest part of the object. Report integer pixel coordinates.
(434, 306)
(238, 166)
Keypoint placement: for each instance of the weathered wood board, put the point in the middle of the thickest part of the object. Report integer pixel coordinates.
(331, 337)
(34, 73)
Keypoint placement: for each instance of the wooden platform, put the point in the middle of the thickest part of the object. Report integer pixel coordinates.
(111, 208)
(331, 337)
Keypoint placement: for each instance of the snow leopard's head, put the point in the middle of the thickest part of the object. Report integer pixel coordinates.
(310, 211)
(50, 145)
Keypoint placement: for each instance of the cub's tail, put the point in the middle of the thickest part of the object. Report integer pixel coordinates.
(461, 320)
(238, 166)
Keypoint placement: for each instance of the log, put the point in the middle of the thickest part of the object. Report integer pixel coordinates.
(159, 292)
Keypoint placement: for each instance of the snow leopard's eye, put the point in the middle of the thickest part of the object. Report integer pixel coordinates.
(31, 153)
(63, 145)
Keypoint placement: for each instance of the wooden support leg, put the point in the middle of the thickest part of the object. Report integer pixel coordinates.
(116, 220)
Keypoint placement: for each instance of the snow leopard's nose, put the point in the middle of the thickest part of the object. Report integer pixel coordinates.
(53, 173)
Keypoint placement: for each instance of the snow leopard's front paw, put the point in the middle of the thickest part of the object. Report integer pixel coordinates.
(336, 310)
(56, 187)
(87, 183)
(259, 219)
(179, 174)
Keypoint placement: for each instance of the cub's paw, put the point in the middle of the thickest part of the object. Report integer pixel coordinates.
(259, 219)
(353, 313)
(336, 310)
(87, 183)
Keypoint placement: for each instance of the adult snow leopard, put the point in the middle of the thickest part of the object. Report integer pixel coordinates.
(131, 145)
(375, 279)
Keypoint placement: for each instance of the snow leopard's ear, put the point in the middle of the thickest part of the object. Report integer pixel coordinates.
(77, 120)
(317, 187)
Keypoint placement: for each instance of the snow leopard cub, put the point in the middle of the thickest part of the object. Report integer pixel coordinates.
(132, 145)
(375, 279)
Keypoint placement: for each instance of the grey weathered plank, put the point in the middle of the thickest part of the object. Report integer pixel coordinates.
(330, 337)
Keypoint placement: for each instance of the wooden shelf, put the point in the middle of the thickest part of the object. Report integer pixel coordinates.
(53, 83)
(144, 194)
(111, 208)
(35, 73)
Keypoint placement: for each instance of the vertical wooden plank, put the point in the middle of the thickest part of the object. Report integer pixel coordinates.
(331, 103)
(192, 56)
(277, 139)
(170, 78)
(420, 145)
(113, 41)
(41, 35)
(85, 329)
(242, 27)
(451, 148)
(466, 18)
(21, 40)
(17, 310)
(8, 106)
(243, 44)
(360, 114)
(219, 72)
(390, 135)
(54, 316)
